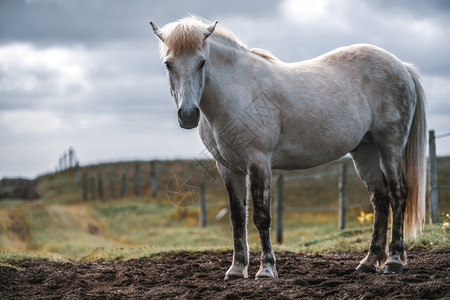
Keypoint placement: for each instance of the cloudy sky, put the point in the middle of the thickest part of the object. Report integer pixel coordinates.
(87, 73)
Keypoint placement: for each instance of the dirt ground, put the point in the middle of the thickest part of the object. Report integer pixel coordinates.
(200, 276)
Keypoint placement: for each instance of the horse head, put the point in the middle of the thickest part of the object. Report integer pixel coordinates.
(184, 52)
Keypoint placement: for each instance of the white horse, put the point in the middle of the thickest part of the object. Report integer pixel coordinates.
(256, 113)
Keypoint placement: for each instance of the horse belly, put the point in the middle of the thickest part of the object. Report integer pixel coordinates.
(314, 146)
(321, 127)
(296, 159)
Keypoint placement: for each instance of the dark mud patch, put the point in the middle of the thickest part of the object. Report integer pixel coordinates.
(200, 276)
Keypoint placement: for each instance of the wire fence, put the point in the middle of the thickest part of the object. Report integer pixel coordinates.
(279, 207)
(443, 135)
(433, 185)
(93, 187)
(318, 209)
(326, 208)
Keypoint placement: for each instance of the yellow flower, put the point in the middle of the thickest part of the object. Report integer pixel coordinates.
(364, 217)
(369, 217)
(445, 225)
(361, 218)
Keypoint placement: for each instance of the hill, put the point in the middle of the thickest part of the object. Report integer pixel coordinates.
(123, 223)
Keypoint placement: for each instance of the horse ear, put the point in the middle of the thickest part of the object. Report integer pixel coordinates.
(157, 31)
(210, 29)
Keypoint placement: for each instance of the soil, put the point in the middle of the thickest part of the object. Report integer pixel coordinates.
(200, 276)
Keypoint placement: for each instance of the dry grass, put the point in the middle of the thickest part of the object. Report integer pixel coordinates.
(61, 225)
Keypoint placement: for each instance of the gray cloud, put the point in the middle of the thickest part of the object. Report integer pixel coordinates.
(88, 73)
(437, 9)
(84, 21)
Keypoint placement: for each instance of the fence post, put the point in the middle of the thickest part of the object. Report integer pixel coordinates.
(137, 179)
(279, 208)
(123, 181)
(100, 186)
(92, 188)
(64, 161)
(111, 189)
(342, 195)
(434, 191)
(153, 178)
(77, 173)
(84, 186)
(71, 157)
(202, 205)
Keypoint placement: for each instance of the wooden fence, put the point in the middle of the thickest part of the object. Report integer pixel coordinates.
(433, 185)
(433, 191)
(342, 199)
(93, 188)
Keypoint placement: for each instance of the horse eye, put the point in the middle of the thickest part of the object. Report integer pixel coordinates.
(202, 64)
(168, 66)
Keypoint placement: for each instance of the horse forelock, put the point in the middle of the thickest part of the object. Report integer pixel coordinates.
(186, 34)
(189, 34)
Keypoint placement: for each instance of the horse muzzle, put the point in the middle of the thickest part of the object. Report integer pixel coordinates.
(188, 118)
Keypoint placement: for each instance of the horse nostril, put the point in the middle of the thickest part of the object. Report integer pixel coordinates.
(180, 113)
(188, 117)
(187, 114)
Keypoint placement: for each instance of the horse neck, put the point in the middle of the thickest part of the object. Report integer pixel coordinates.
(229, 80)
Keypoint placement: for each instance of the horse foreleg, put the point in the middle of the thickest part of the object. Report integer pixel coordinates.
(260, 179)
(235, 183)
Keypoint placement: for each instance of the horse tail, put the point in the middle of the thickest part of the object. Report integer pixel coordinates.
(414, 162)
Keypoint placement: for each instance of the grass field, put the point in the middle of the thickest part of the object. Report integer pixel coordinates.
(60, 225)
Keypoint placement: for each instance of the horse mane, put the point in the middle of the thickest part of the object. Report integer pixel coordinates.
(189, 33)
(264, 54)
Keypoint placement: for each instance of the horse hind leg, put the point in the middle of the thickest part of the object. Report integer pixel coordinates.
(392, 165)
(367, 163)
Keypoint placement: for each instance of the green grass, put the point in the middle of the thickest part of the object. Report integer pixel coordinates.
(7, 265)
(61, 226)
(6, 256)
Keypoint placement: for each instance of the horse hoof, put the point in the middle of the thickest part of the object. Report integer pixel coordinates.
(232, 277)
(393, 269)
(236, 272)
(365, 269)
(266, 275)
